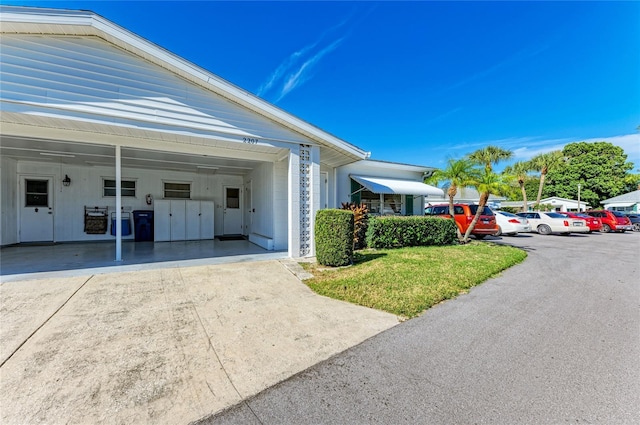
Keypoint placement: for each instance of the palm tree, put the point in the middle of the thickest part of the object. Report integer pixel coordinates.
(543, 163)
(487, 183)
(458, 174)
(520, 170)
(490, 156)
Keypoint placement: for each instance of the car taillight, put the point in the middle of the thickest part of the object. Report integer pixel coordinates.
(566, 223)
(513, 220)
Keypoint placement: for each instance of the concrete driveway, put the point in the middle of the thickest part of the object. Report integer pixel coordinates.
(166, 345)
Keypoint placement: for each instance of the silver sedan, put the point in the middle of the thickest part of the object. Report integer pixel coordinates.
(546, 223)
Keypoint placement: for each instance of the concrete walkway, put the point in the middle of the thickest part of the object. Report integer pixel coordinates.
(169, 345)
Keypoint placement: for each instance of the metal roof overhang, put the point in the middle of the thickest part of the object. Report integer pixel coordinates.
(396, 186)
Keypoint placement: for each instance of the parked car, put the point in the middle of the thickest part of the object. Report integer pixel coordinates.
(593, 223)
(464, 214)
(511, 224)
(612, 221)
(635, 221)
(546, 223)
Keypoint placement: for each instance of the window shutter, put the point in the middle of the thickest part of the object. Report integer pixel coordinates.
(355, 197)
(408, 202)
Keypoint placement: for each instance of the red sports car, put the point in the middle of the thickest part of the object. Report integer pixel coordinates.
(594, 224)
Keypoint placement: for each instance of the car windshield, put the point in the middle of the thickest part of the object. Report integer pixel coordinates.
(582, 215)
(485, 211)
(507, 214)
(555, 215)
(618, 214)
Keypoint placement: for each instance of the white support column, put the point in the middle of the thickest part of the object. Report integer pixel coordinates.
(118, 204)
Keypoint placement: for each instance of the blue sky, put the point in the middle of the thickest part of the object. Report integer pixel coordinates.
(417, 82)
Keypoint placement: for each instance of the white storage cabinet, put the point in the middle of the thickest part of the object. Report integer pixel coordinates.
(179, 220)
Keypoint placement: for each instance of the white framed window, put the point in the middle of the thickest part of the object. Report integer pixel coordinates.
(382, 204)
(128, 187)
(177, 190)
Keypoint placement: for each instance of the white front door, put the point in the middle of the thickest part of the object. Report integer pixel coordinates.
(232, 217)
(324, 190)
(36, 211)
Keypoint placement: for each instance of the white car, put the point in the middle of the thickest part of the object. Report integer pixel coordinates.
(510, 224)
(551, 222)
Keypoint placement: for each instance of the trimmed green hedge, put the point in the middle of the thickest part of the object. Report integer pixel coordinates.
(334, 237)
(397, 232)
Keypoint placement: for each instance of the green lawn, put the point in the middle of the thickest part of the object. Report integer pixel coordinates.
(408, 281)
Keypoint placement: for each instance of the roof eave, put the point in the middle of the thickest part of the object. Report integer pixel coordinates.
(85, 23)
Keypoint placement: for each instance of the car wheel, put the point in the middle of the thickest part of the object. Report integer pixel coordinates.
(543, 229)
(636, 227)
(606, 228)
(499, 232)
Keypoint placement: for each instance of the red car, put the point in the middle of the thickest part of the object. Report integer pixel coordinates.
(612, 221)
(594, 224)
(464, 214)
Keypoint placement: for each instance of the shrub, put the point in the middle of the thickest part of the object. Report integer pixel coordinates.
(334, 237)
(397, 232)
(360, 222)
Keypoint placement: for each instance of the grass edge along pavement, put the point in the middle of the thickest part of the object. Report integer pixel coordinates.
(408, 281)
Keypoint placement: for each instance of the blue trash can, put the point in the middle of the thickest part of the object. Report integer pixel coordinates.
(126, 224)
(143, 223)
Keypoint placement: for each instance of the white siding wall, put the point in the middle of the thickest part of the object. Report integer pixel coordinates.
(8, 201)
(86, 189)
(281, 204)
(262, 194)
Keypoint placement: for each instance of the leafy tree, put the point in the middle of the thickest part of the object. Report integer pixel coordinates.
(520, 171)
(459, 173)
(601, 169)
(544, 163)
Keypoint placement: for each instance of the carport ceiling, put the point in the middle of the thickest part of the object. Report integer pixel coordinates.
(85, 154)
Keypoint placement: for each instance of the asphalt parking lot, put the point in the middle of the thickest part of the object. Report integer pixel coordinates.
(553, 340)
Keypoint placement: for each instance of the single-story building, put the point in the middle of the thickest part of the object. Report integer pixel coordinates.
(557, 203)
(628, 202)
(102, 131)
(465, 195)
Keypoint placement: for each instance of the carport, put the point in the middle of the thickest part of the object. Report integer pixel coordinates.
(98, 122)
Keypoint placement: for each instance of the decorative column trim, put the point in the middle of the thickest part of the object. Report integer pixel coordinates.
(305, 200)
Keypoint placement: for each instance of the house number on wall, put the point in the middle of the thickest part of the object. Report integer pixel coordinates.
(249, 140)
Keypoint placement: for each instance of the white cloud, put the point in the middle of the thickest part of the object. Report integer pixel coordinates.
(630, 143)
(296, 69)
(302, 74)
